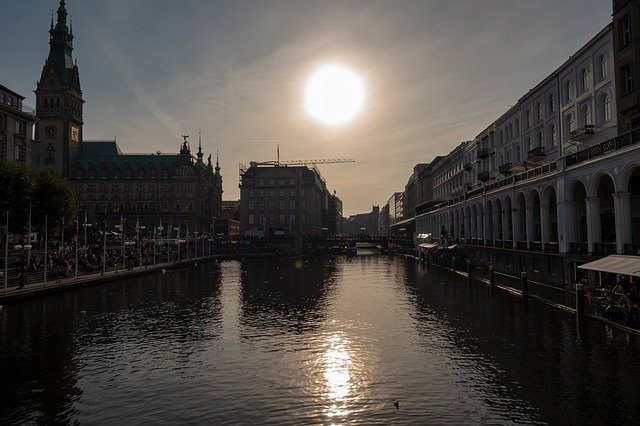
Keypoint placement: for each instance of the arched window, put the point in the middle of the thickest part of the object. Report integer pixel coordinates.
(539, 111)
(500, 138)
(527, 118)
(518, 158)
(571, 122)
(552, 103)
(540, 139)
(568, 91)
(606, 107)
(517, 127)
(554, 136)
(508, 156)
(584, 80)
(603, 66)
(586, 115)
(529, 145)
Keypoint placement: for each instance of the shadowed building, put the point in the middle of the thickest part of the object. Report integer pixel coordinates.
(16, 128)
(270, 197)
(156, 188)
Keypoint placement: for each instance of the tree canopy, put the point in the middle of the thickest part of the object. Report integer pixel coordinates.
(46, 193)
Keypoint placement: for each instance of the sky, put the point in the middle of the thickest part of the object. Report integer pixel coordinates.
(436, 73)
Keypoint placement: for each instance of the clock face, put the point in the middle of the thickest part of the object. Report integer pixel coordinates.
(75, 134)
(50, 131)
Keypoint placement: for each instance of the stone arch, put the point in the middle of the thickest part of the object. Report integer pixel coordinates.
(507, 218)
(534, 220)
(498, 220)
(488, 221)
(480, 221)
(602, 204)
(549, 213)
(577, 231)
(631, 187)
(520, 219)
(597, 179)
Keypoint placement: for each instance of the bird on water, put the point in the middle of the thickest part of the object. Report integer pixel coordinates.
(396, 403)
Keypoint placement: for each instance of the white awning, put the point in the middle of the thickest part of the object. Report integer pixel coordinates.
(427, 245)
(616, 264)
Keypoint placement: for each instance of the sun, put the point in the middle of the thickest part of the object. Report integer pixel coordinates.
(334, 94)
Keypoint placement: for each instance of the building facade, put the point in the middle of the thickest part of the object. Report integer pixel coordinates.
(551, 175)
(273, 198)
(16, 128)
(334, 211)
(172, 190)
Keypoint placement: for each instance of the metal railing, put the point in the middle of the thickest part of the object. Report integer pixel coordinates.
(604, 249)
(579, 248)
(613, 144)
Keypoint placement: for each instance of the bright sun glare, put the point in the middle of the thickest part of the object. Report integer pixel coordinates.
(334, 94)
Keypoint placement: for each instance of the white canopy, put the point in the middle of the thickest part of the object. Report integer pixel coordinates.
(616, 264)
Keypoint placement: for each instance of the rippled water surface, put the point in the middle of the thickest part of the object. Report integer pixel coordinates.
(324, 341)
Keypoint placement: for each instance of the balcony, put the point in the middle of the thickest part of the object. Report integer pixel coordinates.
(604, 249)
(536, 154)
(582, 133)
(632, 249)
(521, 245)
(535, 246)
(488, 243)
(468, 186)
(467, 166)
(483, 153)
(505, 168)
(21, 107)
(483, 176)
(611, 145)
(551, 247)
(579, 248)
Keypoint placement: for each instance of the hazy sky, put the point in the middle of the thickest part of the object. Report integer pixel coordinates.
(436, 72)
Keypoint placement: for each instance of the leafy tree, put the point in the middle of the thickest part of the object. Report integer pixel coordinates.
(47, 194)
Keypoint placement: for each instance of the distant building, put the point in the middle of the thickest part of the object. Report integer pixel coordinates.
(230, 209)
(16, 128)
(334, 212)
(165, 189)
(363, 223)
(410, 191)
(273, 196)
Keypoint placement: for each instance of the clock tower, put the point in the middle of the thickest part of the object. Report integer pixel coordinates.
(59, 102)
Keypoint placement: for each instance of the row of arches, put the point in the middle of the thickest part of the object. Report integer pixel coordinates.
(598, 215)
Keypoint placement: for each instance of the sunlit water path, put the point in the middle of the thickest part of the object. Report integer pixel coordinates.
(330, 341)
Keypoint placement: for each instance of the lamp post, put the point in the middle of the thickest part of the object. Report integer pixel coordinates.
(141, 228)
(6, 251)
(178, 240)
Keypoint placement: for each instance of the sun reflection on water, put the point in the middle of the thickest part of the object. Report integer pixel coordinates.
(337, 363)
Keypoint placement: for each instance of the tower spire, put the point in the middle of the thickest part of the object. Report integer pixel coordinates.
(217, 162)
(200, 154)
(62, 16)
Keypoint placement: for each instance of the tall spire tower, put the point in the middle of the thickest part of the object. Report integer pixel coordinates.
(59, 102)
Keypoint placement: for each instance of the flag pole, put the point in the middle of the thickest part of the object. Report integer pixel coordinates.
(104, 246)
(46, 244)
(122, 240)
(76, 251)
(6, 252)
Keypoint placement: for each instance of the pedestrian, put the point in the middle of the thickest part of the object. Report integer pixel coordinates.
(22, 279)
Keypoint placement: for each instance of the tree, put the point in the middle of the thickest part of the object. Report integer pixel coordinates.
(47, 194)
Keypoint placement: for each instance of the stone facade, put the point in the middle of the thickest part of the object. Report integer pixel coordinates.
(272, 197)
(16, 128)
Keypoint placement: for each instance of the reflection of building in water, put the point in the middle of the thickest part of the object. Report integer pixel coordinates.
(288, 296)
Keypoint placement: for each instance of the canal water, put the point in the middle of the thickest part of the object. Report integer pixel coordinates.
(327, 340)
